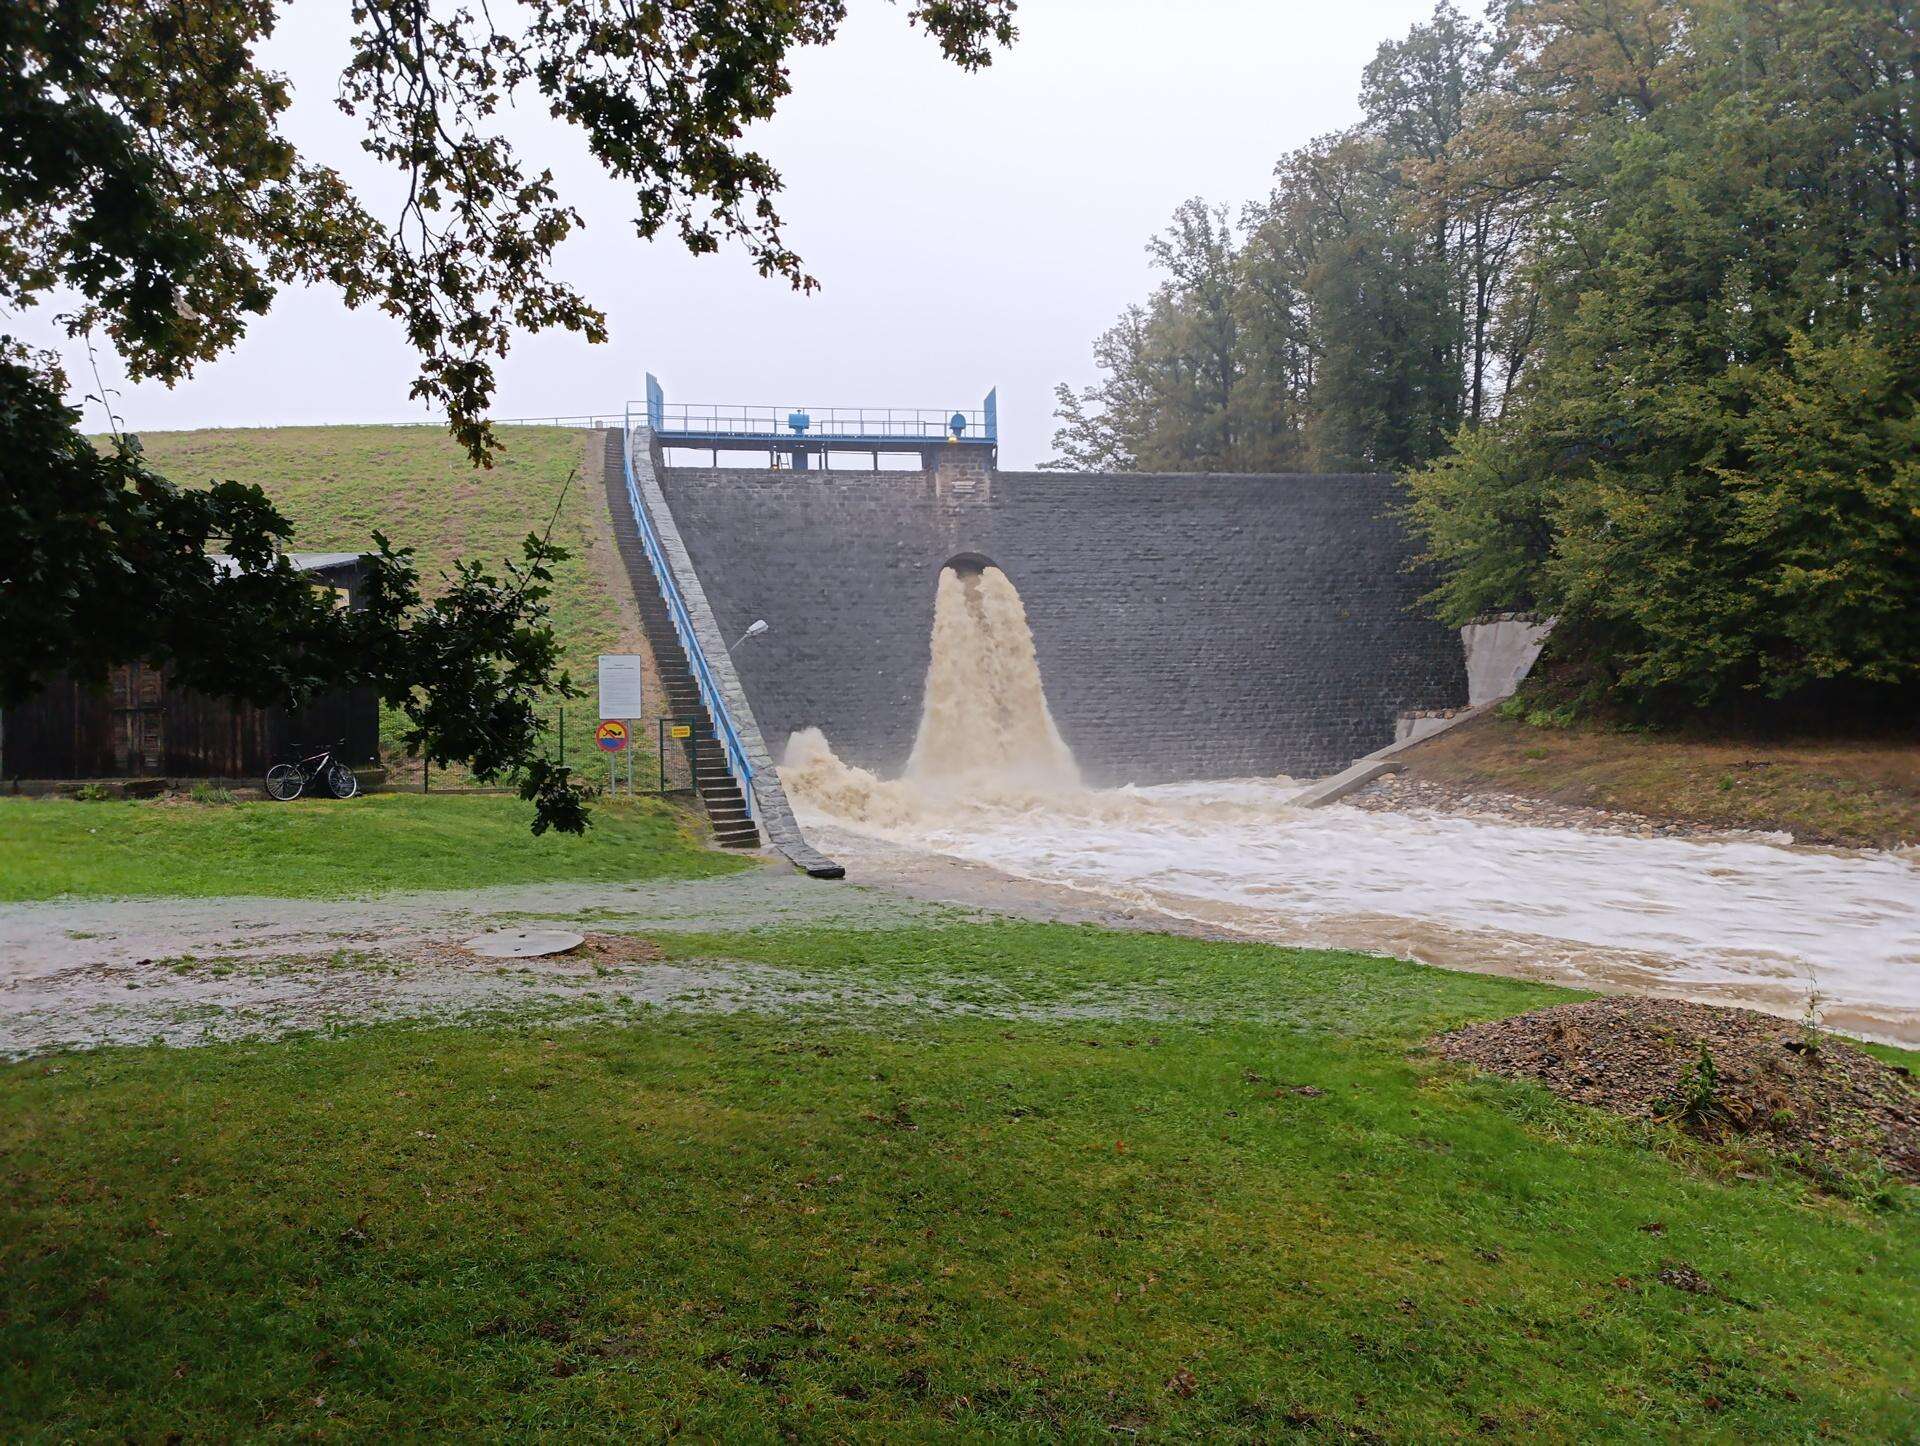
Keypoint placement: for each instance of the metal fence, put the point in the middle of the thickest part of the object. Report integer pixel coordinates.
(569, 738)
(929, 424)
(829, 424)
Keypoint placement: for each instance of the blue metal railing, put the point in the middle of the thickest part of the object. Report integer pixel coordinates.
(820, 424)
(737, 762)
(848, 424)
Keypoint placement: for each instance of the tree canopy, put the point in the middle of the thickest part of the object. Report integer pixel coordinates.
(1348, 321)
(1627, 288)
(144, 169)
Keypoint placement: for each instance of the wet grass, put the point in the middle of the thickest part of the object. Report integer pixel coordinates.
(339, 484)
(1863, 793)
(1173, 1218)
(324, 848)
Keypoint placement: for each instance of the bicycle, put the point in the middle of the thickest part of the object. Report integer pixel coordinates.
(287, 781)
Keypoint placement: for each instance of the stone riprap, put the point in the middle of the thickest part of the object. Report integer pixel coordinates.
(1187, 626)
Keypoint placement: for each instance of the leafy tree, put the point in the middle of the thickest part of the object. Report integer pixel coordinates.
(1631, 291)
(1706, 471)
(101, 560)
(1386, 382)
(1173, 395)
(143, 167)
(1351, 321)
(1104, 427)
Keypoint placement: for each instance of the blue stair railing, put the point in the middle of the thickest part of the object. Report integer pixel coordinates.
(738, 764)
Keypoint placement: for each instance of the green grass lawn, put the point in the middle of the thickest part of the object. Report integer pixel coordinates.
(1175, 1189)
(338, 484)
(326, 848)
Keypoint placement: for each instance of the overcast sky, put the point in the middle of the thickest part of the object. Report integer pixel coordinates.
(968, 230)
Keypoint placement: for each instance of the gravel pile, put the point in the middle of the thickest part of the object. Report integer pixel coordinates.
(1772, 1081)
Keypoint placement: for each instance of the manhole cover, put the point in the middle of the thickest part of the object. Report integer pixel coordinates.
(523, 943)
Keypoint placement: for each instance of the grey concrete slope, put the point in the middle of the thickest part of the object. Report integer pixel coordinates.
(1362, 771)
(1187, 626)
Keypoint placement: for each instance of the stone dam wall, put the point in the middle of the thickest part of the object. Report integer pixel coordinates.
(1187, 626)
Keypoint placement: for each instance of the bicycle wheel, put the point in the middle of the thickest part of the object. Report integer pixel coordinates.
(284, 782)
(340, 781)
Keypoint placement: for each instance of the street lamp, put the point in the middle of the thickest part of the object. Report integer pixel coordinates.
(759, 627)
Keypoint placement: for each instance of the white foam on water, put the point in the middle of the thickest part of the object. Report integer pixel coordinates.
(1744, 920)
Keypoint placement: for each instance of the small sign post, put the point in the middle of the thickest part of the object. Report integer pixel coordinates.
(611, 736)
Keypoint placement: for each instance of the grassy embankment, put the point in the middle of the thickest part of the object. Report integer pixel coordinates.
(1175, 1189)
(1859, 792)
(320, 848)
(338, 484)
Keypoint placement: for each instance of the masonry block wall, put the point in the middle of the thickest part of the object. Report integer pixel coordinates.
(1187, 626)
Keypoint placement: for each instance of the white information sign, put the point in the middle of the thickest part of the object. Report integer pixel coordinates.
(621, 687)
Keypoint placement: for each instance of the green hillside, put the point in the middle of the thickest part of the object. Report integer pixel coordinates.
(338, 484)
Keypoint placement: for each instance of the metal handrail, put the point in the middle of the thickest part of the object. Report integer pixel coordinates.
(823, 423)
(737, 761)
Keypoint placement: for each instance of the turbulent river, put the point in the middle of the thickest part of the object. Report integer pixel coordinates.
(1740, 921)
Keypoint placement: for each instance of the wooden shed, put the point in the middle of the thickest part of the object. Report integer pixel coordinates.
(137, 726)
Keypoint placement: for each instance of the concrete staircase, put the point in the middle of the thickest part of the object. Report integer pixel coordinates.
(733, 825)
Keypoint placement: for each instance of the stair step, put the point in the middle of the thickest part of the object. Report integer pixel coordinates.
(718, 790)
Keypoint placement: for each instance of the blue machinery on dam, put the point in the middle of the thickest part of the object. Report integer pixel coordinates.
(802, 437)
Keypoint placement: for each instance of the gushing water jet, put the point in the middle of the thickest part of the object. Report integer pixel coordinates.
(985, 728)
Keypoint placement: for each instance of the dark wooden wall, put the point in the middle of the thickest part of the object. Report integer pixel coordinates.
(137, 727)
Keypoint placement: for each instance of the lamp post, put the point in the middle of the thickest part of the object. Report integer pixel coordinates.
(759, 627)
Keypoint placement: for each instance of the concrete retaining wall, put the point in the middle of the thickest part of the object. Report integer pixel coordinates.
(1187, 626)
(1500, 652)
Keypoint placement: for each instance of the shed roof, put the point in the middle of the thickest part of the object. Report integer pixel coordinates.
(300, 561)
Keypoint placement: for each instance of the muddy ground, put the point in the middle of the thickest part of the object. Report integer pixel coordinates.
(189, 970)
(183, 971)
(1847, 792)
